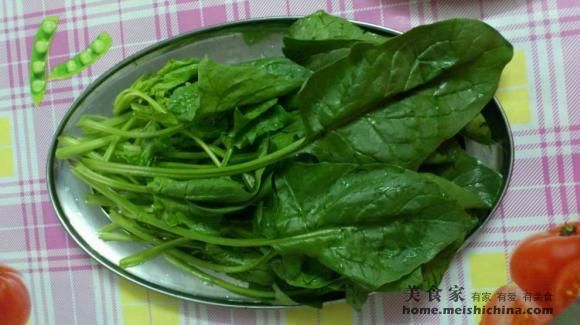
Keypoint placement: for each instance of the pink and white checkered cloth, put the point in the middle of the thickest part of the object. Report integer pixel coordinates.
(540, 92)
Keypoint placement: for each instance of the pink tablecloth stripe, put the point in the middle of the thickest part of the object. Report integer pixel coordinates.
(68, 288)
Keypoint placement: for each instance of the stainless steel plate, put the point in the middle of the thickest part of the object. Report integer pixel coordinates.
(227, 43)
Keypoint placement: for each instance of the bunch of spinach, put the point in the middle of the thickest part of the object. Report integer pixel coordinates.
(335, 170)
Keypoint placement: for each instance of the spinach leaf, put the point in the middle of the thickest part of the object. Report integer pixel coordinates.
(466, 198)
(224, 87)
(478, 130)
(274, 120)
(433, 271)
(406, 131)
(219, 189)
(261, 275)
(469, 173)
(248, 114)
(244, 116)
(171, 75)
(143, 153)
(147, 113)
(319, 61)
(281, 67)
(372, 74)
(380, 210)
(356, 296)
(311, 297)
(190, 216)
(313, 196)
(184, 102)
(303, 272)
(320, 33)
(281, 297)
(289, 134)
(413, 279)
(162, 204)
(390, 251)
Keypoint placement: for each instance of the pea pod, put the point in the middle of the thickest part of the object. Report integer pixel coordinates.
(39, 56)
(98, 47)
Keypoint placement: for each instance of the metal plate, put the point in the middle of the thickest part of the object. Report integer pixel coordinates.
(229, 43)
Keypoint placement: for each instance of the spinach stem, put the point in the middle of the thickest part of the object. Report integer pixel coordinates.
(227, 157)
(117, 236)
(145, 255)
(139, 214)
(108, 121)
(217, 150)
(111, 182)
(127, 95)
(109, 227)
(238, 157)
(98, 200)
(113, 144)
(185, 155)
(252, 293)
(192, 260)
(179, 259)
(190, 173)
(172, 164)
(82, 147)
(128, 134)
(204, 146)
(132, 179)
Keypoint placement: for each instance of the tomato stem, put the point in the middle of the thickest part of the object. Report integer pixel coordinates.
(567, 230)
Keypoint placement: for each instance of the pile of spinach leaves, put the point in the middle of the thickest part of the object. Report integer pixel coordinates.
(334, 170)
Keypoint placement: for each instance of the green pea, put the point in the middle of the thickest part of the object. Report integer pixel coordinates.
(38, 85)
(98, 46)
(41, 46)
(48, 26)
(84, 59)
(38, 67)
(38, 56)
(71, 65)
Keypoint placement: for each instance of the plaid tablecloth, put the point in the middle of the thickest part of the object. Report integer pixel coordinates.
(540, 92)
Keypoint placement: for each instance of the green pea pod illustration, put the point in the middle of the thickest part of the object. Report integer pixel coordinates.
(98, 47)
(39, 58)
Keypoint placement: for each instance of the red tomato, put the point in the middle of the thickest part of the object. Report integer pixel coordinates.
(538, 259)
(525, 316)
(567, 287)
(14, 298)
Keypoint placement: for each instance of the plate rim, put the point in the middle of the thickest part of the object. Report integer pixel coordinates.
(71, 231)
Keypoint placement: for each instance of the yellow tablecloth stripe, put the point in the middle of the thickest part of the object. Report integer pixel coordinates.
(513, 90)
(488, 272)
(333, 314)
(145, 307)
(6, 150)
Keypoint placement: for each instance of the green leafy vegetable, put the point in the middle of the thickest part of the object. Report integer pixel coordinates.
(220, 189)
(224, 87)
(184, 102)
(332, 172)
(469, 173)
(272, 121)
(478, 130)
(406, 131)
(373, 74)
(320, 33)
(301, 271)
(380, 210)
